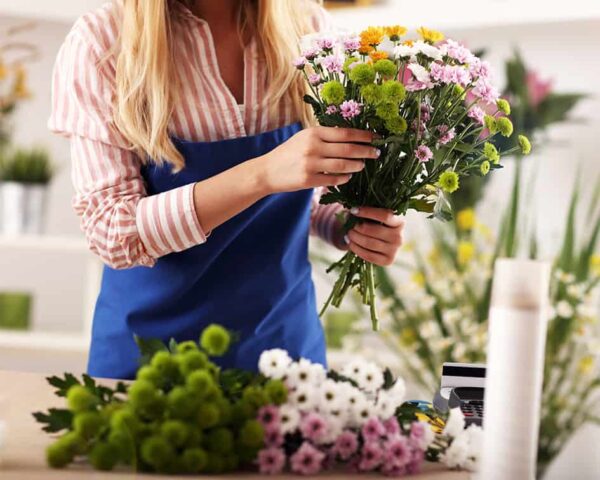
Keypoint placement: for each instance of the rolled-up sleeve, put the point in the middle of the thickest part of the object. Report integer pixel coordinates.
(123, 225)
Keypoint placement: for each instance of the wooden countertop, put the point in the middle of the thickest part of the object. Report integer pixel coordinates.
(23, 457)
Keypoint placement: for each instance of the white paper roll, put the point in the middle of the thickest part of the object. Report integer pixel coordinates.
(515, 366)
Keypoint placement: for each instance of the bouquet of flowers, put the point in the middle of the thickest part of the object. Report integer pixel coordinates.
(411, 94)
(440, 315)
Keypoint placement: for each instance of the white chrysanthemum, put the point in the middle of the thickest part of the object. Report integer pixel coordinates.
(304, 372)
(398, 392)
(371, 378)
(576, 290)
(335, 426)
(385, 407)
(427, 49)
(361, 411)
(404, 51)
(564, 309)
(420, 72)
(352, 395)
(289, 418)
(354, 368)
(274, 363)
(455, 424)
(330, 396)
(429, 329)
(303, 397)
(451, 316)
(427, 302)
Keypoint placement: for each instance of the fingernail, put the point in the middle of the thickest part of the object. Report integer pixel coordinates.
(346, 240)
(354, 210)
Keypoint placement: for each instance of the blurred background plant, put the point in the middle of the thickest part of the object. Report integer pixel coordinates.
(534, 107)
(30, 166)
(440, 313)
(14, 55)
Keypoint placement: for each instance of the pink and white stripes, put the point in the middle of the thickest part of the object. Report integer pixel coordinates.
(124, 225)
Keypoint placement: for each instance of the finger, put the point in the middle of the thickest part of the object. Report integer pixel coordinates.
(382, 215)
(349, 150)
(370, 243)
(334, 134)
(323, 180)
(369, 256)
(339, 165)
(392, 235)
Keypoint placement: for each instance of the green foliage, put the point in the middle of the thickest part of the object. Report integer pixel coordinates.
(180, 407)
(27, 166)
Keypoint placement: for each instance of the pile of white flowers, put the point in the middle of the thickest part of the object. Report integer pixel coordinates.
(341, 403)
(463, 448)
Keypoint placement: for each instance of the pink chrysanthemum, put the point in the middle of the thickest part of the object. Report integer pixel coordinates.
(351, 44)
(300, 63)
(425, 112)
(457, 51)
(371, 456)
(326, 43)
(392, 427)
(307, 460)
(423, 153)
(486, 91)
(333, 63)
(416, 462)
(314, 79)
(346, 444)
(373, 429)
(331, 109)
(446, 134)
(477, 114)
(271, 460)
(310, 54)
(273, 436)
(268, 416)
(313, 427)
(350, 109)
(398, 451)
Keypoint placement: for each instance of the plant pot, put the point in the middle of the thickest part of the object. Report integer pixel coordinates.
(23, 208)
(15, 310)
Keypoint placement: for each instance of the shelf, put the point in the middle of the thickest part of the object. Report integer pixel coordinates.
(31, 340)
(53, 243)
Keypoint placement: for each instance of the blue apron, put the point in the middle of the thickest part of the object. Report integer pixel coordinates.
(252, 275)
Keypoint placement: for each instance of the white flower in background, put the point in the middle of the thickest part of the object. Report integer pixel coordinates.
(564, 309)
(398, 392)
(387, 46)
(371, 378)
(576, 291)
(452, 316)
(304, 372)
(465, 449)
(304, 397)
(427, 302)
(564, 277)
(455, 424)
(289, 418)
(587, 311)
(420, 72)
(429, 329)
(404, 51)
(274, 363)
(459, 351)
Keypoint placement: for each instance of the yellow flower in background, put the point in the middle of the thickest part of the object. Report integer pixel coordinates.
(20, 89)
(595, 264)
(429, 35)
(365, 49)
(394, 32)
(418, 278)
(3, 70)
(407, 336)
(377, 55)
(465, 219)
(408, 43)
(372, 36)
(434, 256)
(465, 252)
(586, 364)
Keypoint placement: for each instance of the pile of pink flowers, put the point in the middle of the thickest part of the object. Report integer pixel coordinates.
(348, 423)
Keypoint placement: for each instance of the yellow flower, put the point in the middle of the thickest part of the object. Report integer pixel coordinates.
(429, 35)
(465, 219)
(20, 89)
(586, 364)
(372, 36)
(407, 336)
(418, 278)
(408, 43)
(394, 32)
(434, 256)
(365, 49)
(377, 55)
(595, 264)
(465, 252)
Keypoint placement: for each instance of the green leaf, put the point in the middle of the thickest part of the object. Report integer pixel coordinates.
(55, 420)
(567, 251)
(173, 345)
(63, 385)
(148, 347)
(388, 379)
(556, 106)
(312, 101)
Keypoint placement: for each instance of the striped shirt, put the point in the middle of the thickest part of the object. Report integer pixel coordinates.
(123, 225)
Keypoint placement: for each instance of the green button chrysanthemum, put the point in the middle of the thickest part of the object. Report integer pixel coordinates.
(491, 152)
(333, 92)
(491, 124)
(505, 126)
(362, 74)
(485, 167)
(387, 110)
(396, 125)
(393, 91)
(525, 145)
(371, 94)
(215, 339)
(385, 68)
(503, 106)
(448, 181)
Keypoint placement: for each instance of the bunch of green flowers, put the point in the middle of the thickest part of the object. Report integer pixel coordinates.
(181, 414)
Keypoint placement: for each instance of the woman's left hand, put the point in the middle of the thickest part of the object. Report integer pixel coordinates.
(379, 242)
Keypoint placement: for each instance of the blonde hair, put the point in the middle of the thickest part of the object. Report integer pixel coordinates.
(146, 85)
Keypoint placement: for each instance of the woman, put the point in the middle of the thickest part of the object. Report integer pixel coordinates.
(194, 179)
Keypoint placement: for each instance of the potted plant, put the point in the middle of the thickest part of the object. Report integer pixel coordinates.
(24, 178)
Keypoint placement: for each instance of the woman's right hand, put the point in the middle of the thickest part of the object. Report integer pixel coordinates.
(316, 157)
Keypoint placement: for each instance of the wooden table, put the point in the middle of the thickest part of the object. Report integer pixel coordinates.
(23, 456)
